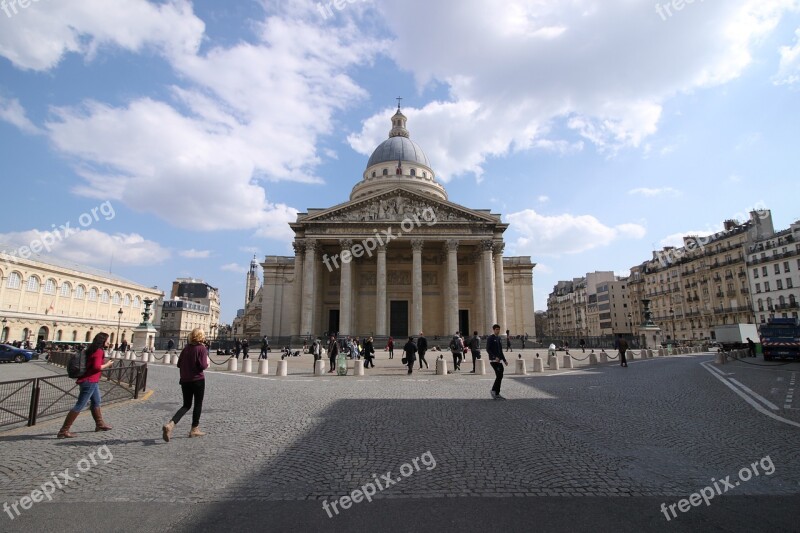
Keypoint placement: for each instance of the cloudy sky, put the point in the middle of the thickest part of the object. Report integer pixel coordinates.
(601, 130)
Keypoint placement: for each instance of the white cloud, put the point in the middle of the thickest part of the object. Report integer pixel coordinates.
(234, 267)
(91, 247)
(676, 239)
(195, 254)
(565, 234)
(12, 112)
(789, 69)
(650, 192)
(543, 199)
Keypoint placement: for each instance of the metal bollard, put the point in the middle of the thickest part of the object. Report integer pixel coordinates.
(263, 367)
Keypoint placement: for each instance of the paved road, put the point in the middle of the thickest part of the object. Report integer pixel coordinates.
(586, 450)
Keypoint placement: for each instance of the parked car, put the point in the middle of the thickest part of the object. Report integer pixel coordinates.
(18, 355)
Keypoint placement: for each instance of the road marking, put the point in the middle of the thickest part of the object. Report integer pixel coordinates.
(787, 403)
(757, 406)
(755, 395)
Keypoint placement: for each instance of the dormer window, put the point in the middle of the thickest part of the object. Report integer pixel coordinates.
(385, 171)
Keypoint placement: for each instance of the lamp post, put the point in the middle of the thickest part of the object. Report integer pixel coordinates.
(5, 321)
(672, 322)
(119, 322)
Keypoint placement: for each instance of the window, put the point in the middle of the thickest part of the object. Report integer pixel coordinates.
(116, 298)
(755, 273)
(760, 304)
(66, 289)
(424, 174)
(413, 172)
(764, 271)
(373, 173)
(786, 266)
(80, 292)
(788, 283)
(50, 286)
(758, 287)
(33, 284)
(766, 286)
(779, 285)
(136, 302)
(14, 280)
(92, 294)
(385, 172)
(777, 268)
(127, 300)
(105, 297)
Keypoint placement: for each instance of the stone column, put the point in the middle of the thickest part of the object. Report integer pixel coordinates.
(451, 303)
(490, 299)
(499, 284)
(416, 285)
(380, 294)
(299, 272)
(480, 308)
(345, 288)
(309, 288)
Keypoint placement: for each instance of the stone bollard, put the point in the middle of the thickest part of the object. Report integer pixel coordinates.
(283, 368)
(358, 367)
(603, 356)
(521, 370)
(538, 364)
(233, 364)
(480, 367)
(719, 358)
(441, 367)
(592, 358)
(630, 356)
(151, 358)
(247, 366)
(649, 353)
(319, 367)
(554, 363)
(661, 352)
(174, 360)
(568, 361)
(263, 367)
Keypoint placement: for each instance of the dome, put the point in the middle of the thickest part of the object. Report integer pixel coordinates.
(396, 149)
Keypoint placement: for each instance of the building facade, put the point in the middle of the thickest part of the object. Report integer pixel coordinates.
(396, 259)
(774, 273)
(42, 298)
(193, 304)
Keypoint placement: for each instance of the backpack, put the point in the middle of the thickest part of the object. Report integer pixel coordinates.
(76, 366)
(452, 344)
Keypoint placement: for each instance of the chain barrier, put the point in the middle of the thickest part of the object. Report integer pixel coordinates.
(222, 363)
(616, 356)
(579, 359)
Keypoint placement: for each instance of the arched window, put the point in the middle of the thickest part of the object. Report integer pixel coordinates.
(792, 300)
(385, 171)
(92, 294)
(14, 280)
(88, 337)
(74, 335)
(50, 286)
(80, 292)
(136, 301)
(373, 173)
(760, 304)
(105, 296)
(781, 300)
(413, 171)
(116, 299)
(33, 284)
(424, 174)
(127, 300)
(66, 289)
(59, 334)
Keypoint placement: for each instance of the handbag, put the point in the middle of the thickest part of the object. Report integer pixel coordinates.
(404, 360)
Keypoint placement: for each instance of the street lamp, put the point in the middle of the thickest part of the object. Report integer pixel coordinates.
(5, 321)
(672, 322)
(119, 321)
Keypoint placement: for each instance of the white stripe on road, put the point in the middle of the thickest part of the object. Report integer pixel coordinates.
(758, 407)
(756, 395)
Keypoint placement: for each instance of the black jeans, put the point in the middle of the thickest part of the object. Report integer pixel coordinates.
(410, 365)
(422, 360)
(498, 372)
(475, 354)
(622, 360)
(457, 358)
(193, 390)
(368, 361)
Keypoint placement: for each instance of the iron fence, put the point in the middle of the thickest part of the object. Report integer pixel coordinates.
(28, 400)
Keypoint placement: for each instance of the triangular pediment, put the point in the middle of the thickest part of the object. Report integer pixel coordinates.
(395, 205)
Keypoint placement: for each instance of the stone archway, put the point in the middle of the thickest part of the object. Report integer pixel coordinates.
(43, 335)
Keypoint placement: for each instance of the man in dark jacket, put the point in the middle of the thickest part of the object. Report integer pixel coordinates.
(494, 347)
(333, 352)
(457, 347)
(623, 347)
(422, 347)
(410, 350)
(475, 349)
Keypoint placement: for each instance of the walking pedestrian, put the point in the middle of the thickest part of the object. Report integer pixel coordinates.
(457, 348)
(422, 347)
(623, 347)
(475, 349)
(192, 361)
(390, 347)
(410, 350)
(89, 387)
(333, 352)
(264, 346)
(494, 347)
(566, 347)
(583, 346)
(237, 348)
(508, 340)
(245, 349)
(369, 353)
(751, 347)
(316, 350)
(170, 346)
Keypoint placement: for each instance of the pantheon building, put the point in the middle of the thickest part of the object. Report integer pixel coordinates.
(396, 259)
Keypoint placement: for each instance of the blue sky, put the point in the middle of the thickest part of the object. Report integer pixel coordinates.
(197, 130)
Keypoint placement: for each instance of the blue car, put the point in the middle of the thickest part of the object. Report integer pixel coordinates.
(18, 355)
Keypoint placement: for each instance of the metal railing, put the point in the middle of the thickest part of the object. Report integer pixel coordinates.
(27, 400)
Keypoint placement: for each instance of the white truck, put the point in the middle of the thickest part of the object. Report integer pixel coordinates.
(734, 336)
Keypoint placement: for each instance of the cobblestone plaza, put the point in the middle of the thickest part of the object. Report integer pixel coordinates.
(587, 449)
